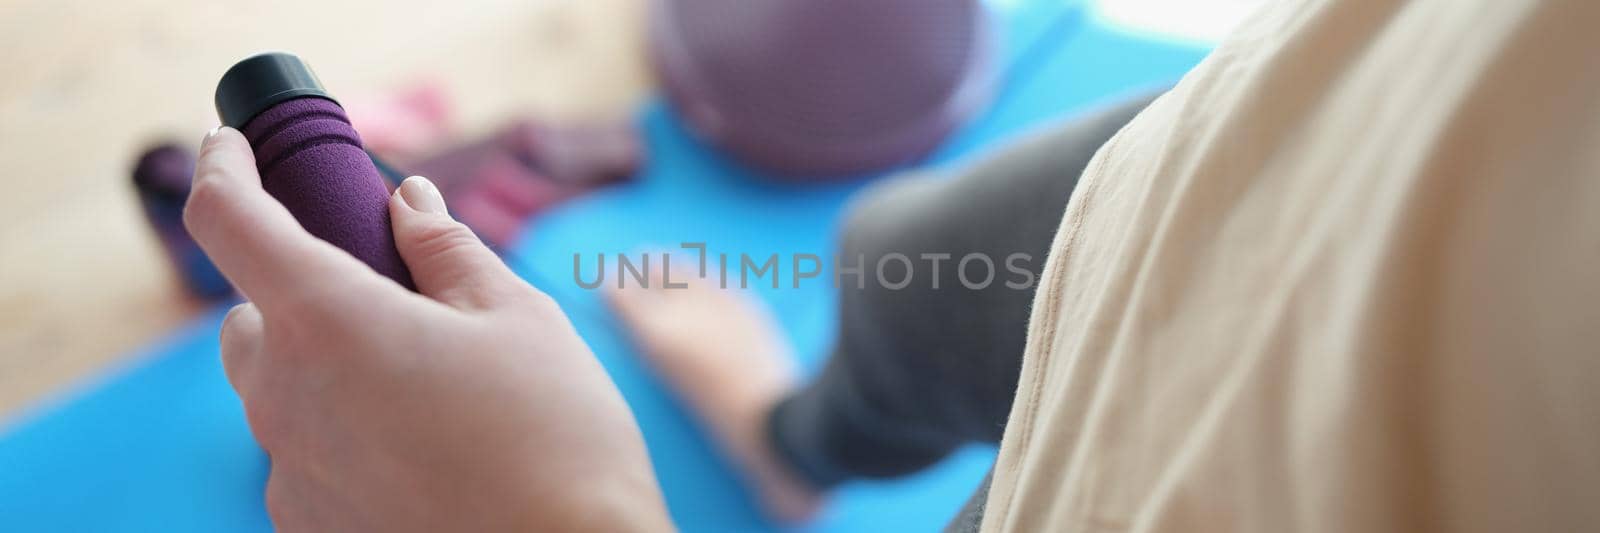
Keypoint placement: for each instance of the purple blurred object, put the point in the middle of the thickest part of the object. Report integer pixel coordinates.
(162, 177)
(165, 170)
(586, 154)
(820, 88)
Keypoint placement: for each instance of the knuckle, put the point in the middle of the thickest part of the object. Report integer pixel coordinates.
(207, 200)
(265, 423)
(526, 301)
(292, 336)
(277, 499)
(302, 308)
(272, 420)
(541, 302)
(443, 238)
(315, 312)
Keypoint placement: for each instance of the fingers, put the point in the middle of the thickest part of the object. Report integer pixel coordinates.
(241, 345)
(447, 261)
(251, 237)
(286, 502)
(632, 298)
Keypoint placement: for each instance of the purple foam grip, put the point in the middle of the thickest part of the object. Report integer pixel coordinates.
(311, 160)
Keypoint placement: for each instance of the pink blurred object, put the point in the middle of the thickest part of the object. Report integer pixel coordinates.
(518, 189)
(495, 183)
(491, 221)
(406, 123)
(504, 194)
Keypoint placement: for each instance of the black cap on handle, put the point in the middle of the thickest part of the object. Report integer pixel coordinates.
(261, 81)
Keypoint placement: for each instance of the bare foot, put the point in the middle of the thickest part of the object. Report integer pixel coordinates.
(720, 352)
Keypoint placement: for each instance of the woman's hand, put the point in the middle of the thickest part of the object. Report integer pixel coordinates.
(472, 406)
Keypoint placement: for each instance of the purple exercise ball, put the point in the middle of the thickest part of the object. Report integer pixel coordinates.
(813, 89)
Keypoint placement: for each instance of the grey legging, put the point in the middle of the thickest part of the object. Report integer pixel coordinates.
(918, 372)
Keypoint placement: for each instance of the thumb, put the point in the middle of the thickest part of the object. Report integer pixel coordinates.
(447, 261)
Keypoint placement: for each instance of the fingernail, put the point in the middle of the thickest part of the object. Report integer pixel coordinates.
(212, 133)
(422, 195)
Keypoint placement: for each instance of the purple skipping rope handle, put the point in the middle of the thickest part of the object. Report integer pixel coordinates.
(310, 157)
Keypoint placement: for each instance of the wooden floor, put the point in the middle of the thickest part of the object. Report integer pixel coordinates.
(85, 84)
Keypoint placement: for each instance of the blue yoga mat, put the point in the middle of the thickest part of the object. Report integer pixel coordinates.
(160, 443)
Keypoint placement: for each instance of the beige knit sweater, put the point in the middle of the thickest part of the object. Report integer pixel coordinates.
(1344, 278)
